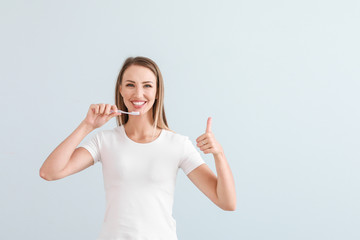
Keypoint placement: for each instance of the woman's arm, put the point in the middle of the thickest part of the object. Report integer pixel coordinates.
(225, 182)
(221, 188)
(59, 158)
(66, 159)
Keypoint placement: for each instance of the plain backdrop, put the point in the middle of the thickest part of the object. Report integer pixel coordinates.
(279, 78)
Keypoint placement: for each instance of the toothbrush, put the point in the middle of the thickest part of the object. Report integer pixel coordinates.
(131, 113)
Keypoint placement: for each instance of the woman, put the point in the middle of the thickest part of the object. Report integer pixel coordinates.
(140, 158)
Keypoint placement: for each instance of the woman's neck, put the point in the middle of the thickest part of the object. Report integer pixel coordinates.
(140, 126)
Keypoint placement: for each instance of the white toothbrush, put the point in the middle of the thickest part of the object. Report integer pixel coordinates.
(131, 113)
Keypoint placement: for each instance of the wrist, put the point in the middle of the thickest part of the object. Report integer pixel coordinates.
(87, 127)
(219, 154)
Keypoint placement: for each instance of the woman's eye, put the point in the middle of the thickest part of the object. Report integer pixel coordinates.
(132, 85)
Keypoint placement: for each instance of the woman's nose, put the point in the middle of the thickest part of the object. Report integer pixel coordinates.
(138, 92)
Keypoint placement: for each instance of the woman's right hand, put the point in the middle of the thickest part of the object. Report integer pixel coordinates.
(99, 114)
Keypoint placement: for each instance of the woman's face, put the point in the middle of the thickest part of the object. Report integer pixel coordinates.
(138, 89)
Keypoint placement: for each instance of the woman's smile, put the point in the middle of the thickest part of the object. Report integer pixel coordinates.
(138, 104)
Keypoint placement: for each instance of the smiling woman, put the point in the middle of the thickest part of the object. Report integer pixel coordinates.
(141, 158)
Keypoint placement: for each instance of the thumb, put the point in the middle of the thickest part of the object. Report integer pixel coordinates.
(208, 125)
(111, 115)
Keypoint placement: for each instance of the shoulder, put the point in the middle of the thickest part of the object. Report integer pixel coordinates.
(174, 136)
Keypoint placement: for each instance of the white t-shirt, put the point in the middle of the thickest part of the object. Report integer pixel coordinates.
(139, 181)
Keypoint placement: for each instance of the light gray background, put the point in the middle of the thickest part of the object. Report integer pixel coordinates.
(279, 78)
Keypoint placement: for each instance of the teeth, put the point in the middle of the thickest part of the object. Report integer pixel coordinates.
(138, 103)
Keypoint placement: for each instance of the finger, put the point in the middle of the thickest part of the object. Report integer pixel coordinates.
(205, 147)
(202, 137)
(97, 109)
(111, 113)
(114, 109)
(210, 150)
(107, 109)
(102, 108)
(93, 108)
(208, 125)
(203, 142)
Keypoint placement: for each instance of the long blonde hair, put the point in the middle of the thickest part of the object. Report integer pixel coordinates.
(158, 107)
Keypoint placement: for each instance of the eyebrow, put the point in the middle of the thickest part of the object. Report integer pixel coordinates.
(142, 82)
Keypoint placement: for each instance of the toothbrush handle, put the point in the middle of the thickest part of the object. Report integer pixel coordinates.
(119, 111)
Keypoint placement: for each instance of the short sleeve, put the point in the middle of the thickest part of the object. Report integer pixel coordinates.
(93, 146)
(191, 158)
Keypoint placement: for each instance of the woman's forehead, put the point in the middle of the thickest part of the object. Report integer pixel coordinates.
(137, 73)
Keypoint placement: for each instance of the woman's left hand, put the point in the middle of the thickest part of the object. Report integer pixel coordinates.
(207, 142)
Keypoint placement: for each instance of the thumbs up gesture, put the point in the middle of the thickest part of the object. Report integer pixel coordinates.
(207, 142)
